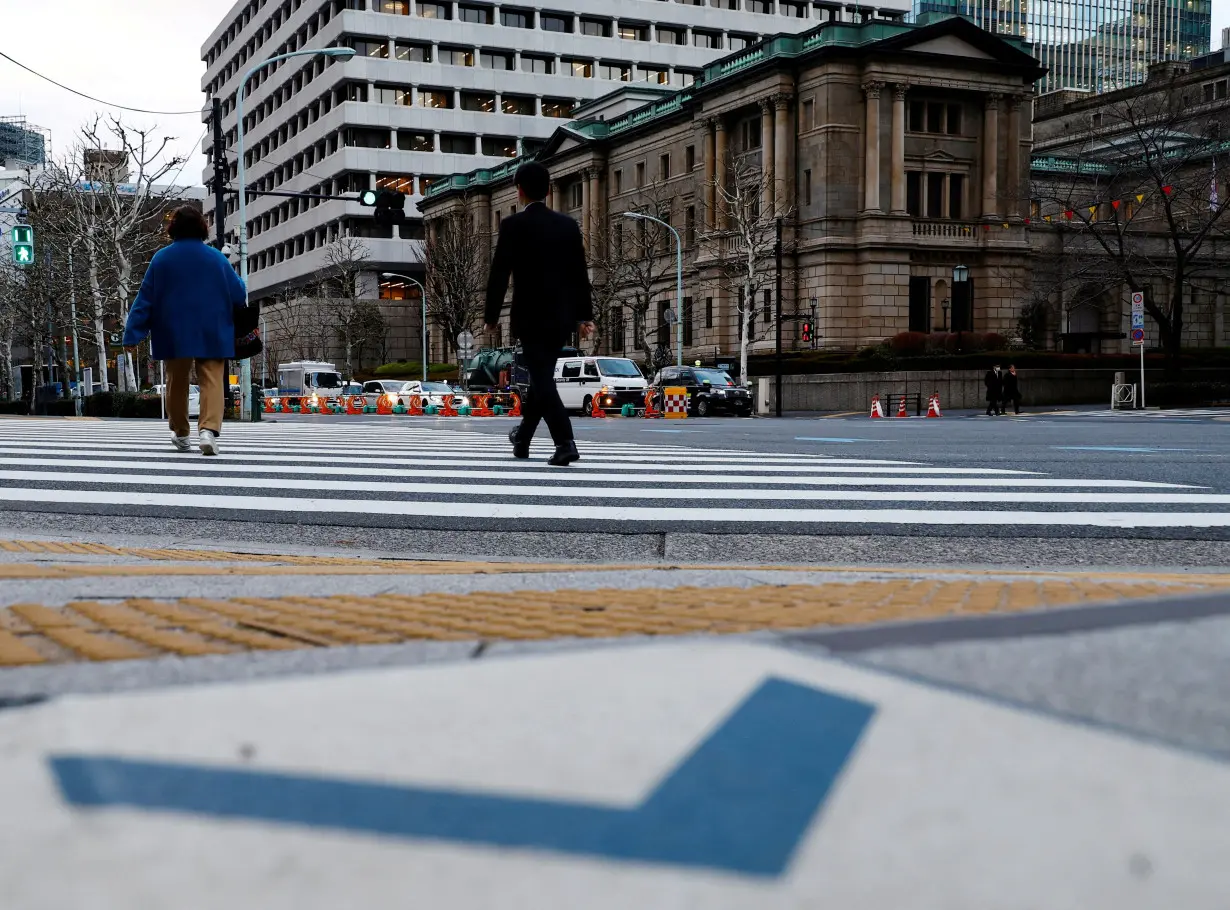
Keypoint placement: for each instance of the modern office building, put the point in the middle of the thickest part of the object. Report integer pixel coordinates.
(440, 87)
(22, 145)
(1093, 45)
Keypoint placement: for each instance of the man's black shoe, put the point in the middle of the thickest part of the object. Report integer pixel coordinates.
(520, 449)
(564, 455)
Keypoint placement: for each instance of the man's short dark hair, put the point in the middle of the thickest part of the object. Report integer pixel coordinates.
(187, 223)
(534, 180)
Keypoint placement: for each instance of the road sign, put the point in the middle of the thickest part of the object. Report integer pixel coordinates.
(1138, 303)
(1138, 320)
(23, 244)
(465, 340)
(1138, 336)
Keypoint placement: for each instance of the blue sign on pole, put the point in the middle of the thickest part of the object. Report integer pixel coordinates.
(1138, 320)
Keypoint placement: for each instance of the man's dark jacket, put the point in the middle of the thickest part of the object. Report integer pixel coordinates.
(995, 385)
(543, 252)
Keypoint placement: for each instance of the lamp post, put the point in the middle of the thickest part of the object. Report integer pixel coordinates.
(944, 307)
(423, 298)
(960, 278)
(245, 368)
(678, 281)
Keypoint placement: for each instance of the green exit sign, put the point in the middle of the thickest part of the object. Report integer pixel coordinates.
(23, 244)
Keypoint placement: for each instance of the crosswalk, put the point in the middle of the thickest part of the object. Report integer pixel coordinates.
(1168, 414)
(429, 476)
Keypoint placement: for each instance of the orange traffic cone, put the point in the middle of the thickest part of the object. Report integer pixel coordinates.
(933, 407)
(595, 404)
(876, 410)
(901, 408)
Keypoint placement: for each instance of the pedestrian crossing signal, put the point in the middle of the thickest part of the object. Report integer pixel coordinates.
(807, 331)
(23, 244)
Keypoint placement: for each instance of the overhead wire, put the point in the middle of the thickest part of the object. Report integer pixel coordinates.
(122, 107)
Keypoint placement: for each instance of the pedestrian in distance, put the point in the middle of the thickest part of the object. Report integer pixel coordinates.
(187, 305)
(543, 253)
(1012, 390)
(995, 391)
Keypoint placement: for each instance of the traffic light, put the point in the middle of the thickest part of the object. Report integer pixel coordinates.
(389, 205)
(23, 244)
(807, 331)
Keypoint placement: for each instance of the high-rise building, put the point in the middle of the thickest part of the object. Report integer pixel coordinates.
(440, 87)
(1092, 45)
(21, 144)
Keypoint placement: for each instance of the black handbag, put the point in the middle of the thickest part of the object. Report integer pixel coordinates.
(247, 332)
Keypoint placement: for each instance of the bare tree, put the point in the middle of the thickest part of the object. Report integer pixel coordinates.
(610, 277)
(644, 250)
(456, 256)
(1138, 205)
(345, 260)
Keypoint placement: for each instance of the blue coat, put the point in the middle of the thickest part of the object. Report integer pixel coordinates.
(187, 303)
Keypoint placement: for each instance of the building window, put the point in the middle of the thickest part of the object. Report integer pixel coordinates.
(684, 77)
(954, 120)
(394, 94)
(426, 183)
(416, 53)
(640, 177)
(808, 121)
(532, 146)
(918, 116)
(357, 137)
(394, 7)
(436, 99)
(792, 9)
(767, 302)
(689, 225)
(457, 56)
(370, 47)
(708, 312)
(532, 64)
(496, 60)
(480, 15)
(618, 182)
(956, 196)
(576, 195)
(749, 134)
(434, 10)
(618, 72)
(480, 102)
(741, 42)
(456, 144)
(582, 69)
(398, 183)
(687, 321)
(555, 23)
(515, 18)
(596, 28)
(913, 193)
(668, 35)
(409, 141)
(664, 167)
(500, 146)
(934, 117)
(935, 195)
(764, 7)
(807, 187)
(352, 91)
(557, 107)
(711, 40)
(517, 104)
(630, 32)
(617, 330)
(649, 74)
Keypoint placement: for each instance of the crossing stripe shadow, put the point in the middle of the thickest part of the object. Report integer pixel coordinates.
(740, 802)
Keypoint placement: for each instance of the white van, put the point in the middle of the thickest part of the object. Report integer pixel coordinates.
(579, 379)
(309, 377)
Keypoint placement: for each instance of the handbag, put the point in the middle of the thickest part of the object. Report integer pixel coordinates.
(247, 332)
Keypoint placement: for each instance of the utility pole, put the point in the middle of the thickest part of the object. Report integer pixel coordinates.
(221, 177)
(777, 252)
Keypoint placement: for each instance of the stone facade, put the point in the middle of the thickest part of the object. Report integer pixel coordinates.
(891, 153)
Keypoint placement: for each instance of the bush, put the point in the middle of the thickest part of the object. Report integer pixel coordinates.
(993, 341)
(61, 408)
(15, 407)
(1188, 394)
(908, 344)
(123, 404)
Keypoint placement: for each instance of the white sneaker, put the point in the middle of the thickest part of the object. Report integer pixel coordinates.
(180, 443)
(209, 442)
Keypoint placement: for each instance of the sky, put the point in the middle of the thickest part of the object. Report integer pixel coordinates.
(149, 57)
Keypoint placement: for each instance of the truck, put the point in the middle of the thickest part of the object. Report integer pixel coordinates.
(309, 377)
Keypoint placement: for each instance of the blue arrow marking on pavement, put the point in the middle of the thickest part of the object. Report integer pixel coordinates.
(740, 802)
(1136, 449)
(828, 439)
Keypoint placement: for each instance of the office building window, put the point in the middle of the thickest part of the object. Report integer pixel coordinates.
(555, 23)
(807, 187)
(596, 28)
(358, 137)
(631, 32)
(667, 35)
(436, 99)
(657, 76)
(409, 141)
(708, 312)
(480, 102)
(517, 104)
(480, 15)
(533, 64)
(557, 107)
(741, 42)
(370, 47)
(664, 167)
(398, 183)
(416, 53)
(711, 40)
(434, 10)
(496, 60)
(457, 56)
(618, 72)
(532, 146)
(792, 9)
(583, 69)
(394, 94)
(426, 183)
(456, 144)
(351, 91)
(500, 146)
(689, 158)
(515, 18)
(640, 177)
(394, 7)
(684, 77)
(760, 6)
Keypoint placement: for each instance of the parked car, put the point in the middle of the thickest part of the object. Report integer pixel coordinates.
(374, 389)
(435, 392)
(579, 379)
(194, 398)
(710, 391)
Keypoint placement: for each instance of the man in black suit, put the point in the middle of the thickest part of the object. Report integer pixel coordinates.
(544, 254)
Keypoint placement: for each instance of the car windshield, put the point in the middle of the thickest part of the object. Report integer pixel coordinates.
(613, 367)
(715, 377)
(327, 380)
(437, 387)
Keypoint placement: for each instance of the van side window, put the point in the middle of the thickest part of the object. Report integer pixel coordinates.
(591, 369)
(572, 370)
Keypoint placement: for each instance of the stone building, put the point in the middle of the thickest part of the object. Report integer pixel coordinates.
(895, 156)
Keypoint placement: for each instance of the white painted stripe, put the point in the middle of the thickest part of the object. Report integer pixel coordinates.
(196, 465)
(495, 512)
(496, 491)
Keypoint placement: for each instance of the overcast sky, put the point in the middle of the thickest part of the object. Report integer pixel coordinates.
(147, 57)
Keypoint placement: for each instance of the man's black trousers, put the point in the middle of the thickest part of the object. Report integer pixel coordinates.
(543, 401)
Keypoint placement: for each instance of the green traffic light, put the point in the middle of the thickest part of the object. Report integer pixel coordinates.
(368, 197)
(23, 244)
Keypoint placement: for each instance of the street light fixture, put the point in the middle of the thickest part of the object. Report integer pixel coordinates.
(678, 280)
(960, 274)
(944, 307)
(344, 53)
(423, 298)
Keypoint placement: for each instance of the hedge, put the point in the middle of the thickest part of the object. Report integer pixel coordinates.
(411, 369)
(1196, 394)
(123, 404)
(15, 407)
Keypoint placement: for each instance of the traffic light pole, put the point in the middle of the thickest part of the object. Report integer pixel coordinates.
(220, 177)
(777, 251)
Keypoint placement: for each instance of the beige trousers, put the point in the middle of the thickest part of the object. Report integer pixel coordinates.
(209, 377)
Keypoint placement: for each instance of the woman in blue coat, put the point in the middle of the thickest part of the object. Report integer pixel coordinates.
(187, 304)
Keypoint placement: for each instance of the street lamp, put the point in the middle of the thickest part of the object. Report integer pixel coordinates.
(960, 274)
(423, 297)
(245, 368)
(944, 307)
(678, 280)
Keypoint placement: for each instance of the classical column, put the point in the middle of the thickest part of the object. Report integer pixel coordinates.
(710, 159)
(1013, 207)
(990, 155)
(781, 153)
(719, 177)
(587, 200)
(594, 205)
(768, 193)
(871, 148)
(898, 149)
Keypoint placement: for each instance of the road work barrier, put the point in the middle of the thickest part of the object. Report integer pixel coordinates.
(674, 402)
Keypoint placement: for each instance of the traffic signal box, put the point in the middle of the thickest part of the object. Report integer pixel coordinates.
(806, 331)
(23, 244)
(389, 205)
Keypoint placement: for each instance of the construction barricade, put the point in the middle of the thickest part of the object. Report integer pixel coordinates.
(674, 402)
